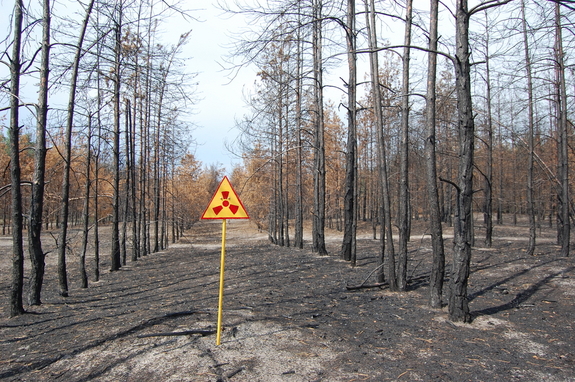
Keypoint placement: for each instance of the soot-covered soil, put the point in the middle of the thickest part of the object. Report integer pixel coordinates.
(288, 316)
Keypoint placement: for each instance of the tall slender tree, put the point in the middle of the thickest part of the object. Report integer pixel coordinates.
(564, 228)
(17, 285)
(530, 135)
(318, 231)
(298, 224)
(115, 258)
(37, 255)
(488, 140)
(438, 265)
(387, 250)
(463, 227)
(458, 303)
(404, 215)
(86, 207)
(63, 238)
(348, 247)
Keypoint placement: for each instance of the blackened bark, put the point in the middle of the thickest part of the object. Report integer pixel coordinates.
(132, 190)
(37, 255)
(458, 302)
(564, 228)
(404, 214)
(530, 138)
(127, 185)
(298, 225)
(488, 179)
(387, 251)
(280, 160)
(115, 259)
(348, 247)
(86, 207)
(319, 143)
(17, 285)
(438, 267)
(63, 240)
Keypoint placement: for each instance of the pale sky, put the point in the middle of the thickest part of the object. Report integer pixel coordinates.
(220, 101)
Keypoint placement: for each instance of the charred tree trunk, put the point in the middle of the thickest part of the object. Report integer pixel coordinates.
(86, 208)
(37, 255)
(458, 302)
(127, 185)
(530, 138)
(386, 231)
(133, 189)
(488, 179)
(348, 247)
(564, 229)
(438, 266)
(63, 240)
(17, 285)
(115, 258)
(97, 153)
(319, 143)
(298, 225)
(404, 215)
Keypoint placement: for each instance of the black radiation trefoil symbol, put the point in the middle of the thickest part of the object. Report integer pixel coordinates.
(226, 203)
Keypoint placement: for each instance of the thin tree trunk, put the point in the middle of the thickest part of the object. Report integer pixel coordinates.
(530, 138)
(458, 302)
(132, 190)
(298, 226)
(386, 230)
(127, 185)
(63, 240)
(488, 179)
(438, 266)
(348, 247)
(115, 258)
(565, 228)
(286, 199)
(132, 145)
(97, 168)
(279, 159)
(156, 170)
(499, 217)
(86, 207)
(143, 180)
(164, 230)
(17, 285)
(319, 148)
(37, 255)
(404, 215)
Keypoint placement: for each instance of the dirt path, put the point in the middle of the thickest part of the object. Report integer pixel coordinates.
(289, 317)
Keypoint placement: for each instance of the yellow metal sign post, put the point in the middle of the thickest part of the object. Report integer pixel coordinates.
(225, 204)
(221, 297)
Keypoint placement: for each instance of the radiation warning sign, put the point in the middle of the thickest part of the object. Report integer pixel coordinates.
(225, 204)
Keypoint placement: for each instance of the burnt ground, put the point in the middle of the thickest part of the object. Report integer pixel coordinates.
(288, 316)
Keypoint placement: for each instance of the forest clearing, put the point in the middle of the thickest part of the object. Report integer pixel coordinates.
(289, 316)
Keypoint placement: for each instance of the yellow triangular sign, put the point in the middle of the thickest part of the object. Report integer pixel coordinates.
(225, 204)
